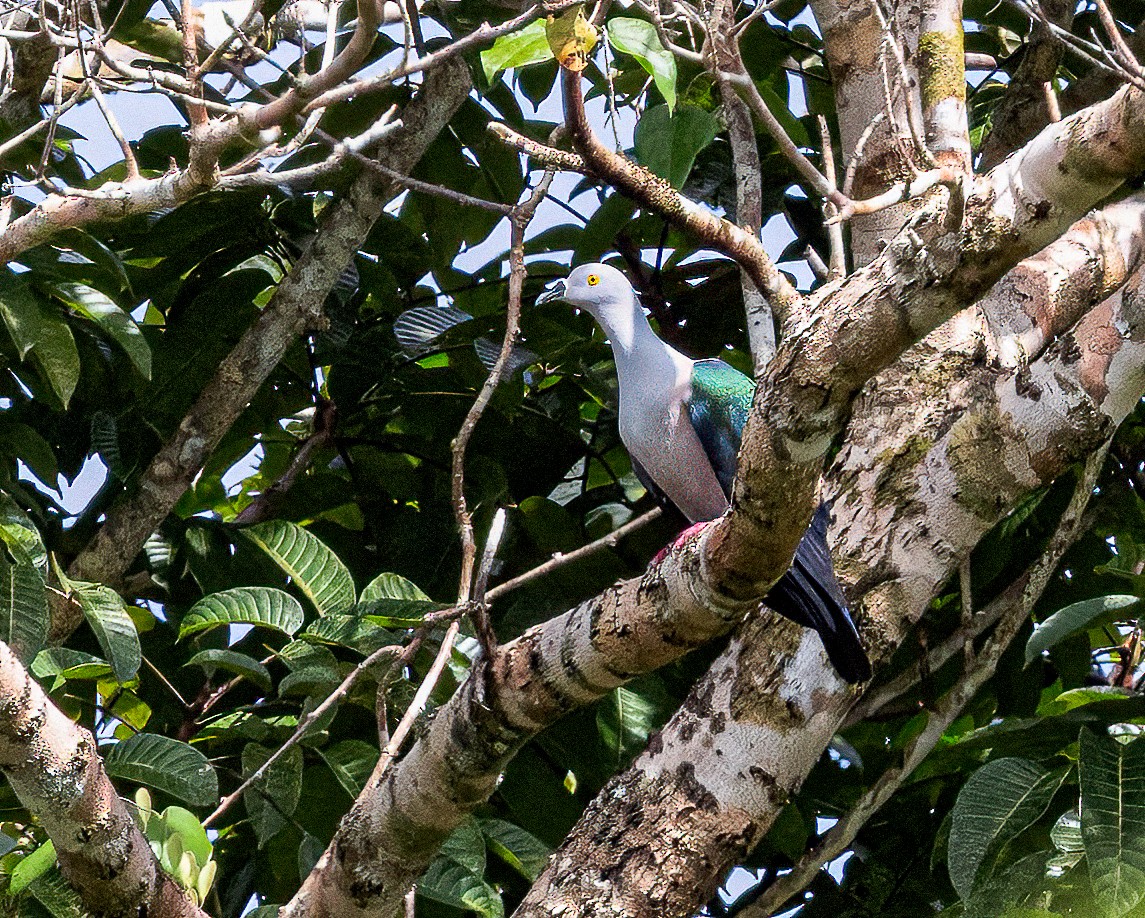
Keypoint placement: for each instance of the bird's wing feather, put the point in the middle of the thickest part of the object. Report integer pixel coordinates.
(808, 592)
(717, 407)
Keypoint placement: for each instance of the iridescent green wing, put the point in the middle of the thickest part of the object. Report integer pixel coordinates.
(721, 398)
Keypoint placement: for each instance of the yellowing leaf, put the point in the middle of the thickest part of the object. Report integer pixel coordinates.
(571, 37)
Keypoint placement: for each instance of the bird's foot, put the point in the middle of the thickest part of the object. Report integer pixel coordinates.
(682, 539)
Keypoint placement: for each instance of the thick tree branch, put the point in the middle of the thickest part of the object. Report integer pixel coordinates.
(708, 584)
(1010, 611)
(54, 767)
(943, 260)
(710, 784)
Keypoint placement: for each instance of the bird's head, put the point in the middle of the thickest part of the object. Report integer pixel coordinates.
(603, 292)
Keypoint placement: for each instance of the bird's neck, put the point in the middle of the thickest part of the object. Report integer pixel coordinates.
(634, 344)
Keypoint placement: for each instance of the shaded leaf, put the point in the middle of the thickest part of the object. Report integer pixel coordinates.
(453, 884)
(115, 630)
(1074, 618)
(668, 144)
(1112, 779)
(1001, 799)
(311, 566)
(352, 761)
(231, 661)
(521, 850)
(266, 607)
(392, 586)
(112, 320)
(271, 800)
(165, 764)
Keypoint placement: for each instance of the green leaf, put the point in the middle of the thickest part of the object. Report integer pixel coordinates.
(517, 49)
(113, 321)
(355, 631)
(521, 850)
(17, 530)
(114, 629)
(231, 661)
(34, 865)
(267, 607)
(639, 38)
(24, 613)
(23, 314)
(1074, 618)
(626, 719)
(668, 144)
(453, 884)
(37, 327)
(165, 764)
(176, 821)
(352, 761)
(1001, 799)
(312, 567)
(274, 798)
(392, 586)
(1112, 779)
(57, 896)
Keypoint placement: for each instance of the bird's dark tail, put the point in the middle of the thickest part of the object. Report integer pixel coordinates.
(810, 595)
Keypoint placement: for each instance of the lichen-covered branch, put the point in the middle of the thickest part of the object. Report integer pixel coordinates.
(942, 83)
(660, 837)
(943, 260)
(708, 583)
(1009, 611)
(53, 765)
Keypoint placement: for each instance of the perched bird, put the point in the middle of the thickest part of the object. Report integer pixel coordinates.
(681, 421)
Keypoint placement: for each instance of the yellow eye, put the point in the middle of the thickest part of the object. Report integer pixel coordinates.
(592, 280)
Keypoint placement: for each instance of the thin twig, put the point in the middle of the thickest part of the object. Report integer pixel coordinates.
(560, 559)
(838, 265)
(130, 163)
(483, 34)
(304, 725)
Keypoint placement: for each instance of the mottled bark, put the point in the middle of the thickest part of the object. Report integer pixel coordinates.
(709, 582)
(852, 41)
(912, 498)
(53, 765)
(942, 83)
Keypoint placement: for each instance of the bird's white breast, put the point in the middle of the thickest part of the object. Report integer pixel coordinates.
(658, 433)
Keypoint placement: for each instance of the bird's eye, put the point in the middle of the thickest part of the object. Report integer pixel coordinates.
(592, 280)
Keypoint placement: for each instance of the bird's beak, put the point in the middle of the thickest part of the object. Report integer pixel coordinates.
(553, 293)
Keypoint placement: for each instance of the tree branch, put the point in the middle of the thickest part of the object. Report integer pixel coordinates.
(53, 765)
(652, 192)
(295, 306)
